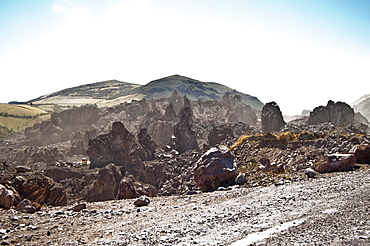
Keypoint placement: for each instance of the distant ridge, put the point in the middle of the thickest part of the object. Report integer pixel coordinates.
(112, 92)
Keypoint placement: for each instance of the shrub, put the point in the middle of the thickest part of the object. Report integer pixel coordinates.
(287, 136)
(240, 141)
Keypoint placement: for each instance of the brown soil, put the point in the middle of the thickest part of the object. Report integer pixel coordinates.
(332, 209)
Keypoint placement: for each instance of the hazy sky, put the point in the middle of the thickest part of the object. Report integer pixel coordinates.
(298, 53)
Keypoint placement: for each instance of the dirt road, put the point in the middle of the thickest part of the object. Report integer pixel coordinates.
(332, 209)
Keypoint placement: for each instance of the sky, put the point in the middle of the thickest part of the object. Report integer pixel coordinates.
(298, 53)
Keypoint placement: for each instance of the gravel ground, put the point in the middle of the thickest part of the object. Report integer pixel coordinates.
(332, 209)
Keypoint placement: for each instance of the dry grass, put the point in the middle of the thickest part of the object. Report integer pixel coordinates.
(240, 141)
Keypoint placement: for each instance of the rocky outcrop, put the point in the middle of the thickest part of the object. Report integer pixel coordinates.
(161, 132)
(148, 145)
(215, 168)
(185, 137)
(336, 163)
(84, 115)
(271, 118)
(119, 146)
(60, 173)
(170, 114)
(32, 154)
(40, 189)
(362, 153)
(105, 186)
(338, 113)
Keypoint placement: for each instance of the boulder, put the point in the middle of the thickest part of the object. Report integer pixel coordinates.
(310, 172)
(7, 197)
(161, 132)
(26, 206)
(362, 153)
(215, 168)
(241, 179)
(142, 201)
(105, 186)
(336, 163)
(271, 118)
(338, 113)
(131, 188)
(79, 207)
(41, 189)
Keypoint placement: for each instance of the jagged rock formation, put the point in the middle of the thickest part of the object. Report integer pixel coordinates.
(272, 119)
(215, 168)
(338, 113)
(120, 147)
(185, 137)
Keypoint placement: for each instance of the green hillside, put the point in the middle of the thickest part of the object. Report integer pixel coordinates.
(193, 89)
(17, 117)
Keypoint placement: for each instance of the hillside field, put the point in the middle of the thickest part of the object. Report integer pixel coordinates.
(17, 117)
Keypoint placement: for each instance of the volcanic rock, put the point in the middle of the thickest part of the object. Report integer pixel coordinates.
(26, 206)
(79, 207)
(310, 172)
(148, 145)
(219, 133)
(362, 153)
(241, 179)
(170, 114)
(142, 201)
(161, 132)
(336, 163)
(215, 168)
(338, 113)
(131, 188)
(7, 197)
(42, 190)
(271, 118)
(185, 137)
(119, 146)
(105, 186)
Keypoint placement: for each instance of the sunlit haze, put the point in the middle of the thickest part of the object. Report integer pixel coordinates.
(297, 53)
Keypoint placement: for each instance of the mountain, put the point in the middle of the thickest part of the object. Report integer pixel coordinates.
(113, 92)
(362, 105)
(193, 89)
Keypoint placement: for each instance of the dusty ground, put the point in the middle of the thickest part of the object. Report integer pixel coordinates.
(332, 209)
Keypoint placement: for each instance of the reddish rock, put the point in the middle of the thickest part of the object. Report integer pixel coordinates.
(131, 188)
(215, 168)
(105, 186)
(79, 207)
(42, 190)
(362, 153)
(336, 163)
